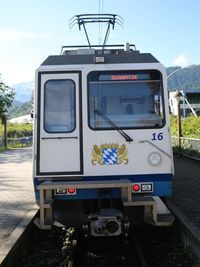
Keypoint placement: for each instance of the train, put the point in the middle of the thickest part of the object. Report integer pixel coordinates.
(102, 150)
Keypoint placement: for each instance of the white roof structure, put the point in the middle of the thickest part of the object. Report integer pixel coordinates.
(21, 120)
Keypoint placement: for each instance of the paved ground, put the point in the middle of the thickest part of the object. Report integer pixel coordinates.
(185, 202)
(16, 190)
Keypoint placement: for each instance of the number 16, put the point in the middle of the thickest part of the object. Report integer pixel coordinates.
(158, 136)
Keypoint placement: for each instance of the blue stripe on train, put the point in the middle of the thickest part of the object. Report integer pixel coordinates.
(161, 182)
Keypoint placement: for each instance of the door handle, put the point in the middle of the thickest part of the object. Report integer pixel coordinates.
(57, 137)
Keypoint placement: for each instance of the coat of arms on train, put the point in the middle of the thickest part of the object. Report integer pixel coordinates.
(109, 154)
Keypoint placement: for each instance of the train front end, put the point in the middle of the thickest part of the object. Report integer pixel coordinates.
(102, 147)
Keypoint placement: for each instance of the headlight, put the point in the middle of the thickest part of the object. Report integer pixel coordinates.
(154, 158)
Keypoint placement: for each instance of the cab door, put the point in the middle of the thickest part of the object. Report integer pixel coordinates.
(59, 130)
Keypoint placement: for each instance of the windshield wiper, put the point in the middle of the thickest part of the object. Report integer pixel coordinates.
(125, 135)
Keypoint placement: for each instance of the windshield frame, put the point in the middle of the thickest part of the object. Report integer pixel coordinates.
(91, 77)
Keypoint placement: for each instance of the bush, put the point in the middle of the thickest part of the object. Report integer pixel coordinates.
(17, 130)
(190, 126)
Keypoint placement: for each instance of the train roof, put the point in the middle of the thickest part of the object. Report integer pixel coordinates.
(83, 55)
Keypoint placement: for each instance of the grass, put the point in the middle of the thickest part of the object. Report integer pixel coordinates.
(17, 145)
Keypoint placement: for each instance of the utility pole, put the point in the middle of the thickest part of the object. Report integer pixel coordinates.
(4, 120)
(178, 96)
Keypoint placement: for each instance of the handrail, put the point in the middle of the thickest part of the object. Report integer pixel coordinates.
(69, 47)
(161, 150)
(189, 147)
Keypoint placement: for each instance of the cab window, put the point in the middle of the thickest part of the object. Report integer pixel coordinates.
(128, 99)
(59, 106)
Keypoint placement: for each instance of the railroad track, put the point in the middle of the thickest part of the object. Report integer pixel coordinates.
(146, 246)
(105, 251)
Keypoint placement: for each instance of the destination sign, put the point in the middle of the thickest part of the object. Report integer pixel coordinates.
(124, 77)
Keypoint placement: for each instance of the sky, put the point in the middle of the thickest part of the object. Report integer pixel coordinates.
(31, 30)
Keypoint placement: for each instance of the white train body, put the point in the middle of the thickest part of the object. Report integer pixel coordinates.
(101, 119)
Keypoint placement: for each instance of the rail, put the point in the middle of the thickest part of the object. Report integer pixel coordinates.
(189, 147)
(24, 141)
(12, 142)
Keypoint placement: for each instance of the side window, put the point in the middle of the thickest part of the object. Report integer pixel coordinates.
(59, 106)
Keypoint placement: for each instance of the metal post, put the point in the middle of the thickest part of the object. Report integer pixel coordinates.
(178, 96)
(5, 130)
(179, 126)
(86, 34)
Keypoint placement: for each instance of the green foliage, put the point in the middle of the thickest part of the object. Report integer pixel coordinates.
(17, 130)
(173, 125)
(190, 127)
(6, 98)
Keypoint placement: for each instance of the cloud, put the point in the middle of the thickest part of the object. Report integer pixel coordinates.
(181, 60)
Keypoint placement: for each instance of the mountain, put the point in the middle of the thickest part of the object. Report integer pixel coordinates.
(23, 91)
(186, 79)
(21, 109)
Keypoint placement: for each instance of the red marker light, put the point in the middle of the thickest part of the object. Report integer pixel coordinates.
(71, 190)
(136, 187)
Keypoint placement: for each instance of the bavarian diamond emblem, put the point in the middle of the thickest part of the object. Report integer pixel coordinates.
(109, 154)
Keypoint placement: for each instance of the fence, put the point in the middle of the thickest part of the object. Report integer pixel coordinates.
(16, 135)
(23, 141)
(188, 147)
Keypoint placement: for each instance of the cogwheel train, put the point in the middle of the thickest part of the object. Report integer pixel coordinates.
(102, 148)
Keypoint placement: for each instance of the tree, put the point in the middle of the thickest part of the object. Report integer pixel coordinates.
(6, 97)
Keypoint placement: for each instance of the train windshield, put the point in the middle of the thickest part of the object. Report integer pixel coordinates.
(128, 99)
